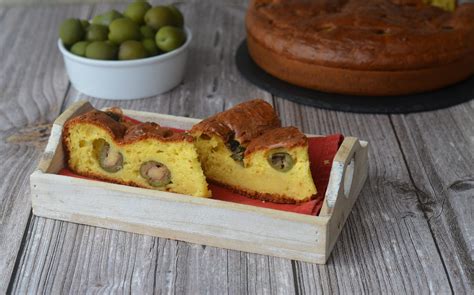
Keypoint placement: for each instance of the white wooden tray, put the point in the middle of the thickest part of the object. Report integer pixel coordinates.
(198, 220)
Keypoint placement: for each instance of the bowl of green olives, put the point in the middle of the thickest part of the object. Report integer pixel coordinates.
(139, 53)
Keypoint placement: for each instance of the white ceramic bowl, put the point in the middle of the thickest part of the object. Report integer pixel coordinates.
(131, 79)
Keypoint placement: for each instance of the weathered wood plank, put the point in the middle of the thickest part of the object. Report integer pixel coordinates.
(386, 245)
(438, 148)
(33, 79)
(83, 259)
(63, 257)
(33, 87)
(17, 161)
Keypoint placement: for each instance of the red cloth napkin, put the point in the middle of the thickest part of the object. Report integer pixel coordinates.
(321, 154)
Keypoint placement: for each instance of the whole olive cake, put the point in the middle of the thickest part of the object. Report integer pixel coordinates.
(362, 47)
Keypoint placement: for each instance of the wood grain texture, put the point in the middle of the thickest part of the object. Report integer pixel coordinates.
(438, 148)
(71, 258)
(28, 98)
(17, 161)
(33, 79)
(61, 257)
(386, 244)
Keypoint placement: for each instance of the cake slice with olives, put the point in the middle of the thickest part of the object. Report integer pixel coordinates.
(246, 149)
(102, 145)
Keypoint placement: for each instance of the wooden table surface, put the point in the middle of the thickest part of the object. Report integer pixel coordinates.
(411, 231)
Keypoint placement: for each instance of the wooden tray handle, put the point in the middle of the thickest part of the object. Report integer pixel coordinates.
(48, 163)
(348, 175)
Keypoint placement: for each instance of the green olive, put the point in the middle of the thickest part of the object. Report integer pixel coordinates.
(101, 50)
(136, 11)
(178, 16)
(79, 48)
(97, 20)
(170, 38)
(71, 31)
(281, 161)
(132, 49)
(97, 33)
(156, 173)
(237, 150)
(85, 23)
(150, 47)
(109, 159)
(107, 18)
(123, 29)
(159, 16)
(147, 32)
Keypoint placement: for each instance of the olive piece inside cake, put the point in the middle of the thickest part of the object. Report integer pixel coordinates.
(281, 161)
(246, 149)
(102, 145)
(110, 160)
(157, 174)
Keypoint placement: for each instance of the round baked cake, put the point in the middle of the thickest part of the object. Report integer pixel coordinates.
(362, 47)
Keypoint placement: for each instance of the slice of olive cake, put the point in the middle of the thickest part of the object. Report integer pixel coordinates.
(246, 149)
(101, 145)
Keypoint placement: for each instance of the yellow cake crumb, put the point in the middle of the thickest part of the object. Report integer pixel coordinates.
(180, 157)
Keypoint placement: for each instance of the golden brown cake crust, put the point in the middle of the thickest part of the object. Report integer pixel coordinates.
(243, 122)
(284, 137)
(100, 119)
(367, 47)
(153, 130)
(123, 132)
(254, 124)
(363, 34)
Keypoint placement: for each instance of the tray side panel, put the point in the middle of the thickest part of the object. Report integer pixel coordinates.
(162, 119)
(347, 195)
(187, 221)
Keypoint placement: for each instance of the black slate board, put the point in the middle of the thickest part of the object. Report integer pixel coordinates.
(427, 101)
